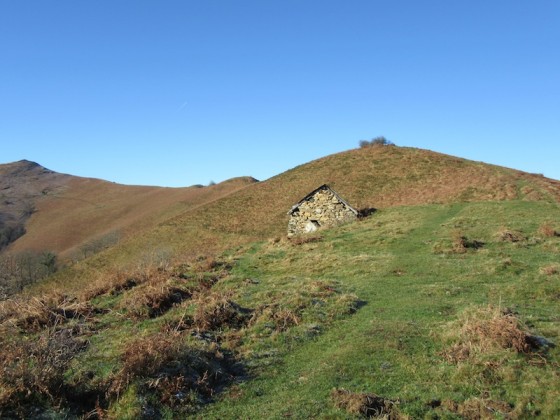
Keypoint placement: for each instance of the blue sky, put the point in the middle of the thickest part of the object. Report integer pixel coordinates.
(177, 93)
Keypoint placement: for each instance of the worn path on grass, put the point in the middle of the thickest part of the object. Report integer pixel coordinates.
(375, 350)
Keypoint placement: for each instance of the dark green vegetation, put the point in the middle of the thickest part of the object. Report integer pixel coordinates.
(437, 311)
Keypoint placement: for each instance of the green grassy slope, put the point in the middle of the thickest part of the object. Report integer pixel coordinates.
(386, 306)
(415, 286)
(379, 177)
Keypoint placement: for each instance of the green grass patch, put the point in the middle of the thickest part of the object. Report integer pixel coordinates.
(374, 315)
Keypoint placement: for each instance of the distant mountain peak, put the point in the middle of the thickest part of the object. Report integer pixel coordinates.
(23, 166)
(25, 162)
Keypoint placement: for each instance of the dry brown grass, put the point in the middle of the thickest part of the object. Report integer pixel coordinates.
(550, 270)
(216, 310)
(34, 314)
(366, 405)
(480, 409)
(507, 235)
(114, 283)
(483, 330)
(153, 294)
(165, 367)
(305, 239)
(88, 208)
(144, 357)
(547, 230)
(150, 301)
(34, 368)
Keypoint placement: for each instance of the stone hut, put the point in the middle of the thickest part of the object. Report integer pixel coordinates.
(322, 207)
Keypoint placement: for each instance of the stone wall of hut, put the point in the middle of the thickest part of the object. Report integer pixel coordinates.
(322, 209)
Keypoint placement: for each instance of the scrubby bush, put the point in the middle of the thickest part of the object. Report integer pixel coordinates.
(20, 270)
(376, 141)
(9, 234)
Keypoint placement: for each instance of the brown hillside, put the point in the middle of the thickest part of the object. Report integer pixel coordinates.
(22, 184)
(378, 177)
(69, 211)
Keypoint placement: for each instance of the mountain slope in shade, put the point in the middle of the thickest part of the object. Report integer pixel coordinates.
(22, 184)
(63, 212)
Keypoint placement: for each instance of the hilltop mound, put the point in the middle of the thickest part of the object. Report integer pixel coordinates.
(373, 177)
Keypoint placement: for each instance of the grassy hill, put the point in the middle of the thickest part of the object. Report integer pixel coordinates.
(443, 304)
(437, 311)
(378, 177)
(65, 212)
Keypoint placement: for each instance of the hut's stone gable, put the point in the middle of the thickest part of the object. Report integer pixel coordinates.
(321, 208)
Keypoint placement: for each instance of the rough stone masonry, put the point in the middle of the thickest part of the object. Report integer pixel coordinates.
(322, 208)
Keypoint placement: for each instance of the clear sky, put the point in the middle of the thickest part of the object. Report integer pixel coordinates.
(175, 93)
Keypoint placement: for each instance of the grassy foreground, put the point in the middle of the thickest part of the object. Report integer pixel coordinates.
(418, 288)
(432, 311)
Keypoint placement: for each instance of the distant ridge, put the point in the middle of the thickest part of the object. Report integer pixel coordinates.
(22, 183)
(73, 210)
(60, 213)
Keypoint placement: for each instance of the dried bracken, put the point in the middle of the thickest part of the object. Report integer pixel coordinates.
(547, 230)
(365, 404)
(217, 310)
(507, 235)
(150, 301)
(486, 329)
(34, 314)
(36, 367)
(480, 409)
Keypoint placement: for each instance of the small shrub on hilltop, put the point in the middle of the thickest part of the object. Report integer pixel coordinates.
(376, 141)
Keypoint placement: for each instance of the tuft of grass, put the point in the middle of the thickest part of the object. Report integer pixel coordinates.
(365, 405)
(550, 270)
(547, 230)
(459, 244)
(483, 330)
(507, 235)
(217, 310)
(34, 314)
(305, 239)
(480, 408)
